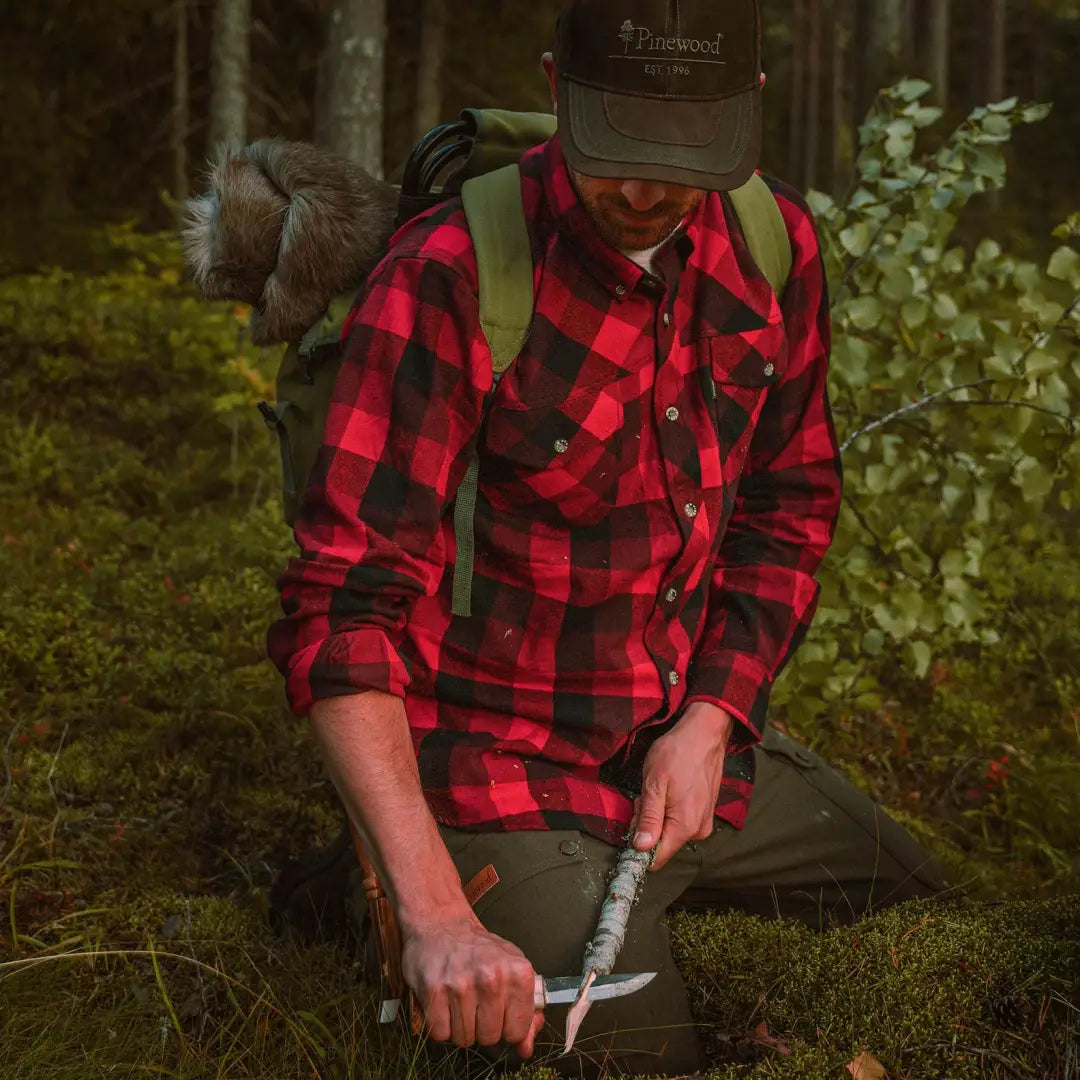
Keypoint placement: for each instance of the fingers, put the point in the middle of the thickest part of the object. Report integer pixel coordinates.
(520, 1012)
(462, 1016)
(477, 989)
(673, 836)
(650, 815)
(437, 1015)
(527, 1045)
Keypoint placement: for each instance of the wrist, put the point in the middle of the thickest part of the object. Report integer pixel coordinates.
(710, 718)
(433, 898)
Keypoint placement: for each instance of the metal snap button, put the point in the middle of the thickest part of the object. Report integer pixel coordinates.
(667, 318)
(561, 446)
(690, 509)
(672, 595)
(620, 290)
(769, 370)
(673, 678)
(672, 414)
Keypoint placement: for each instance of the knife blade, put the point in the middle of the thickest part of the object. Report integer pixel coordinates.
(558, 991)
(564, 989)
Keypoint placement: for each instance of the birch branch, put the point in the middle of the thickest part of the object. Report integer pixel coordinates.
(604, 948)
(602, 952)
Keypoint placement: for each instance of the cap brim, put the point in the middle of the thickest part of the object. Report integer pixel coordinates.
(714, 145)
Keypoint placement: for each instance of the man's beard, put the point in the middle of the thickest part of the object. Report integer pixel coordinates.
(626, 230)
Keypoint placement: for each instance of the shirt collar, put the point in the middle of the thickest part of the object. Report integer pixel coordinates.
(613, 270)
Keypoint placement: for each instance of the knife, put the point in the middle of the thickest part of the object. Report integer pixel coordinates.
(559, 991)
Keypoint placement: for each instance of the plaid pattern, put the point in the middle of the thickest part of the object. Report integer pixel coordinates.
(659, 481)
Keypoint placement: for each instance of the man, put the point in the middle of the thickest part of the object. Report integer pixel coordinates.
(659, 481)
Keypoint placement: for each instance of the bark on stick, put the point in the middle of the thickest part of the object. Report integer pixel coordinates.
(602, 952)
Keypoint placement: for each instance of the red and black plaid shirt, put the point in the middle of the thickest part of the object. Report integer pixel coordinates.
(659, 481)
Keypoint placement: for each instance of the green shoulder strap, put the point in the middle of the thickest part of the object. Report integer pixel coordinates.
(496, 217)
(765, 231)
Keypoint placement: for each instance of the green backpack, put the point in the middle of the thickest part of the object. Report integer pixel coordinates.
(485, 145)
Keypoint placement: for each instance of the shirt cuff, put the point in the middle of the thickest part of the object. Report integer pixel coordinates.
(348, 663)
(739, 684)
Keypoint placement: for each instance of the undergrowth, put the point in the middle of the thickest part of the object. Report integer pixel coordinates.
(152, 781)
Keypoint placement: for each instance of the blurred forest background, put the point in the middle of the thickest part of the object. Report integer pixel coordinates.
(152, 780)
(104, 104)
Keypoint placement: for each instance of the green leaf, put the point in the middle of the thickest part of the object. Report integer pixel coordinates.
(820, 203)
(878, 479)
(914, 313)
(997, 365)
(952, 563)
(1064, 264)
(942, 198)
(995, 124)
(864, 312)
(921, 656)
(897, 285)
(856, 239)
(899, 146)
(1040, 363)
(1033, 478)
(1034, 113)
(910, 89)
(945, 307)
(1003, 106)
(924, 115)
(873, 642)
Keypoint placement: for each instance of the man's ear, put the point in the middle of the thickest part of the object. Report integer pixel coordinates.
(547, 62)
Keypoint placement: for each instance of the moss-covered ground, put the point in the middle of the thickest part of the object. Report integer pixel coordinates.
(152, 781)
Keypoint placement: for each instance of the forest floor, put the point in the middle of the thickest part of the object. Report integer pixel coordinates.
(152, 782)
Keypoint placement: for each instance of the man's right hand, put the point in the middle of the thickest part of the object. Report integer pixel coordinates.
(474, 986)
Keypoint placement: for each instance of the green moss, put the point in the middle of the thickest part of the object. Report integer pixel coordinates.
(930, 989)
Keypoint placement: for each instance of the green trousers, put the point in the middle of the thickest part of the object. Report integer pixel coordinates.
(814, 848)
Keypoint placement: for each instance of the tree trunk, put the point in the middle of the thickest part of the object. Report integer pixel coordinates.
(797, 117)
(940, 13)
(843, 117)
(1039, 56)
(430, 68)
(881, 45)
(813, 95)
(351, 83)
(181, 97)
(996, 68)
(230, 67)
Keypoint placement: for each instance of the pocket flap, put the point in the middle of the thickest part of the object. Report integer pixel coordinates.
(752, 358)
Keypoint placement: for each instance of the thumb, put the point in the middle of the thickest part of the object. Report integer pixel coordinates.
(650, 817)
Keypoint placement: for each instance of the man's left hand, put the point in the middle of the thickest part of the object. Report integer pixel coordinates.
(681, 781)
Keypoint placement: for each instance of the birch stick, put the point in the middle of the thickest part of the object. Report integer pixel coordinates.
(603, 950)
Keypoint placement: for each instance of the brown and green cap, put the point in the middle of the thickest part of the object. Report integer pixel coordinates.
(663, 90)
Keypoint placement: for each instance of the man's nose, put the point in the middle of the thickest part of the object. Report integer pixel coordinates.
(643, 195)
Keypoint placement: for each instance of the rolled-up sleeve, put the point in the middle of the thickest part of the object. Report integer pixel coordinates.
(401, 430)
(763, 592)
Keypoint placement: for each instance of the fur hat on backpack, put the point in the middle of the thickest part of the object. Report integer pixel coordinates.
(285, 227)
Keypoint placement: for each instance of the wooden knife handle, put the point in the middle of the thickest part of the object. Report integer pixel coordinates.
(539, 997)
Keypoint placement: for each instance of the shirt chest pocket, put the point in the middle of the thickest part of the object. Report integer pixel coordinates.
(559, 459)
(740, 371)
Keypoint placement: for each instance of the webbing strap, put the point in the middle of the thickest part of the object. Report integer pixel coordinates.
(496, 217)
(464, 527)
(765, 231)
